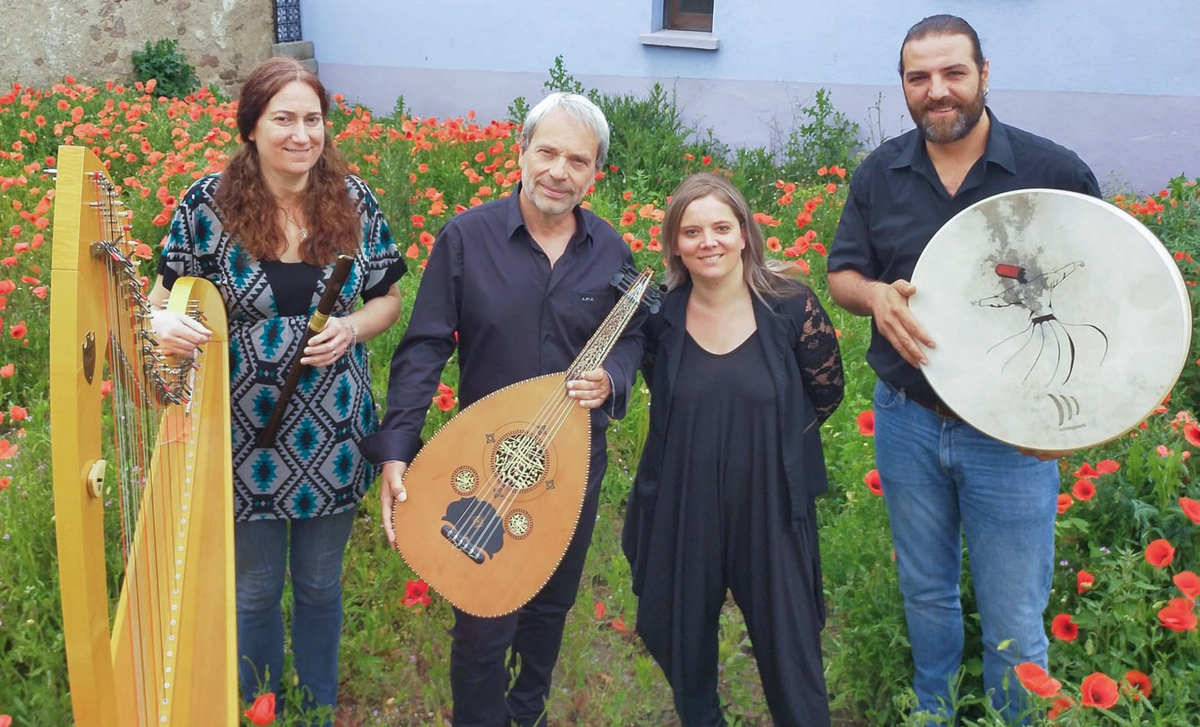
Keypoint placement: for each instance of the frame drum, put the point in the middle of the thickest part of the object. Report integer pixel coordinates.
(1060, 321)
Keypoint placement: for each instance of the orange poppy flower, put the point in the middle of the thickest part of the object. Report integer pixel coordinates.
(262, 712)
(1139, 682)
(873, 482)
(1098, 690)
(1191, 508)
(1160, 553)
(1058, 706)
(866, 423)
(1065, 502)
(1107, 466)
(1064, 627)
(1035, 679)
(1191, 433)
(1083, 490)
(1189, 583)
(1179, 615)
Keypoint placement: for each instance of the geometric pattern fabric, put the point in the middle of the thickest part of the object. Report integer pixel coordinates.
(314, 467)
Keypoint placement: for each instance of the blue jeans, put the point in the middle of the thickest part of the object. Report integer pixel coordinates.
(943, 478)
(262, 554)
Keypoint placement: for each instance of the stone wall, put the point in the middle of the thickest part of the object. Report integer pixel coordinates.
(93, 39)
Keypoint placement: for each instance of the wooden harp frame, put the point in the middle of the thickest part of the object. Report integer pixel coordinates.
(183, 636)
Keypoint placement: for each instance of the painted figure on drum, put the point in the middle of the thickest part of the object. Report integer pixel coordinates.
(1047, 349)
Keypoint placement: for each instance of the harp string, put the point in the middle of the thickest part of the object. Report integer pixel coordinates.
(145, 432)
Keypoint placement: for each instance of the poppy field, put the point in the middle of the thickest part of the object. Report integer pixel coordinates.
(1125, 646)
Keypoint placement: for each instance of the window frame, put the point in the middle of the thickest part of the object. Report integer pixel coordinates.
(676, 19)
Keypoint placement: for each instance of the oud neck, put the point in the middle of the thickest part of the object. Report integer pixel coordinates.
(601, 344)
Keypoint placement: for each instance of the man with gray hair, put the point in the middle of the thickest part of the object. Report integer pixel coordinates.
(519, 285)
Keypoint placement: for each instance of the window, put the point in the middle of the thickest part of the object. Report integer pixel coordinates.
(688, 15)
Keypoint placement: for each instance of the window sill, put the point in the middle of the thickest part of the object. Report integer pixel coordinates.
(696, 40)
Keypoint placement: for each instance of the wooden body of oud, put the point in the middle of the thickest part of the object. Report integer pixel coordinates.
(533, 532)
(200, 650)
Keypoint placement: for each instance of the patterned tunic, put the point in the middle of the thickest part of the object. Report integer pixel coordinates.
(315, 467)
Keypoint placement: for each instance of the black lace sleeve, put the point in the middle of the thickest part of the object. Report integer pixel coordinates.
(819, 358)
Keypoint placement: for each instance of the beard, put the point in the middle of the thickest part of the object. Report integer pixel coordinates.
(945, 131)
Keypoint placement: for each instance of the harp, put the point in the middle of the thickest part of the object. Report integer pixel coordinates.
(157, 450)
(497, 491)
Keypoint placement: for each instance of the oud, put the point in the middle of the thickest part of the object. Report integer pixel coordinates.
(497, 491)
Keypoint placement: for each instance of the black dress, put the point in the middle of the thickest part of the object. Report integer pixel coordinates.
(722, 521)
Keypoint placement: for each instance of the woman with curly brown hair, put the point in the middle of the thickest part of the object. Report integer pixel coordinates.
(266, 232)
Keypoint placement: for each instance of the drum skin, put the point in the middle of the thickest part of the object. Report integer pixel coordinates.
(505, 479)
(1059, 321)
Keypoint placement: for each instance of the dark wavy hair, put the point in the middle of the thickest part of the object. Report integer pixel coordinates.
(249, 212)
(763, 278)
(937, 26)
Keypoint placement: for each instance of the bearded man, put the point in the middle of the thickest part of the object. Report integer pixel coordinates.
(943, 479)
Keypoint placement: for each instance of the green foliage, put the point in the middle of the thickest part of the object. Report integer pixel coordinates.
(828, 137)
(395, 659)
(166, 63)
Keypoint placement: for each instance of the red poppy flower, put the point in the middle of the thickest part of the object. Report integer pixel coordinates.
(1107, 466)
(1065, 502)
(1084, 582)
(5, 720)
(1178, 615)
(1191, 433)
(416, 593)
(619, 626)
(18, 412)
(426, 238)
(18, 330)
(1035, 679)
(599, 610)
(873, 483)
(1085, 471)
(1098, 690)
(4, 483)
(1190, 507)
(1064, 627)
(1083, 490)
(1058, 706)
(1189, 583)
(1160, 553)
(866, 423)
(263, 710)
(1140, 683)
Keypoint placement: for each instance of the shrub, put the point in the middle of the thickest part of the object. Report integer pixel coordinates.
(163, 61)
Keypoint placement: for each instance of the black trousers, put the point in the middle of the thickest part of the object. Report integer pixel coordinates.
(479, 671)
(780, 601)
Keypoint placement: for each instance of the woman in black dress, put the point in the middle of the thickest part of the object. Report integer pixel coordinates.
(743, 366)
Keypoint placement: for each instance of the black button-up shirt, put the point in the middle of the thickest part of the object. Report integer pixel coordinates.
(515, 317)
(897, 203)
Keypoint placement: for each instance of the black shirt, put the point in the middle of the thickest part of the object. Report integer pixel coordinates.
(515, 317)
(897, 203)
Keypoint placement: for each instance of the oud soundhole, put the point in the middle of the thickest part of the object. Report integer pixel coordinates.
(464, 480)
(518, 524)
(520, 461)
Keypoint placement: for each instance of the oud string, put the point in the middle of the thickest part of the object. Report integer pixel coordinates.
(542, 428)
(550, 418)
